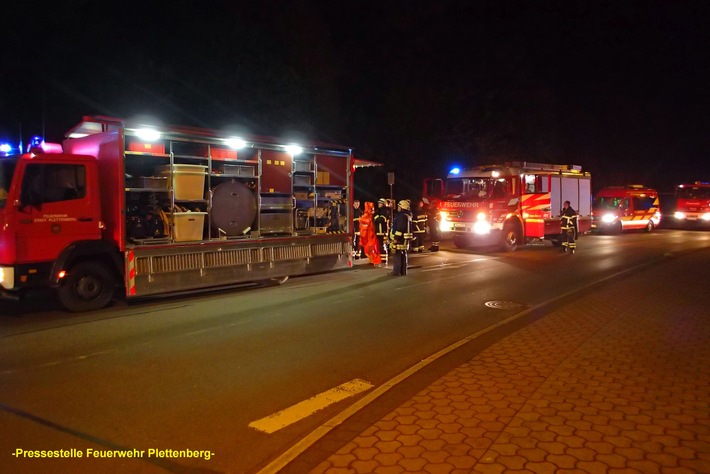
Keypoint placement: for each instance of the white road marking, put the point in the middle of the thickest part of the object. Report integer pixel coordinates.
(301, 410)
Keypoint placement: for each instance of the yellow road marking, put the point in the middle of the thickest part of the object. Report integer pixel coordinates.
(301, 410)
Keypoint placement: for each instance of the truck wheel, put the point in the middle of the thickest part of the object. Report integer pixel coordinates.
(88, 286)
(649, 226)
(510, 238)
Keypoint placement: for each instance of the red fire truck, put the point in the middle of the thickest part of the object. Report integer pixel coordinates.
(510, 204)
(693, 204)
(164, 210)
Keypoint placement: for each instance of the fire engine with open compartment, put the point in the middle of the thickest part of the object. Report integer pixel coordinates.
(164, 210)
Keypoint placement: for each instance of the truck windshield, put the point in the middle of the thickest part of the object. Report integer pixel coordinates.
(7, 168)
(478, 188)
(693, 193)
(604, 202)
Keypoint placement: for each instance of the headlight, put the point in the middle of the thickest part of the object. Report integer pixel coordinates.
(679, 215)
(706, 216)
(444, 223)
(7, 277)
(608, 218)
(481, 216)
(481, 227)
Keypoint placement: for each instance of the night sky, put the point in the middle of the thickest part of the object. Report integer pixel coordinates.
(618, 87)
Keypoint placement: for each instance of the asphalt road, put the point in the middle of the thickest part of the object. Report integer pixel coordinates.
(193, 373)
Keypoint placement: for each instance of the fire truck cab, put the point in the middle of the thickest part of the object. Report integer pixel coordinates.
(693, 204)
(509, 204)
(632, 207)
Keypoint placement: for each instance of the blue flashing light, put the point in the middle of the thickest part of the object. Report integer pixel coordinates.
(455, 170)
(5, 148)
(35, 141)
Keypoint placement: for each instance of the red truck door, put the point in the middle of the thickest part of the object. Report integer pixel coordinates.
(56, 208)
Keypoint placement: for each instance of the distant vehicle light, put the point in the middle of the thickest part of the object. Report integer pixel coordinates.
(235, 143)
(455, 170)
(148, 134)
(495, 174)
(679, 215)
(608, 218)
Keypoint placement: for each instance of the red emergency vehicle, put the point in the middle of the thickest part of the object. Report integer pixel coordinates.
(509, 204)
(692, 204)
(630, 207)
(163, 210)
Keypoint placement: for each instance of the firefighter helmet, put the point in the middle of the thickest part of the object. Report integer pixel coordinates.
(404, 204)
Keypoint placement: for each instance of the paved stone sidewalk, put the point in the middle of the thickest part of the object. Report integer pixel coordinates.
(610, 383)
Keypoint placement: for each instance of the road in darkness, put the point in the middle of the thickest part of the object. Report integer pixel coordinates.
(192, 373)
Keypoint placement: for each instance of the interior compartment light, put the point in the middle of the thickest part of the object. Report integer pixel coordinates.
(235, 143)
(148, 134)
(294, 150)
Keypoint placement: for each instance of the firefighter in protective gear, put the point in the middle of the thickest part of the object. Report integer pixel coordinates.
(381, 221)
(357, 214)
(569, 227)
(419, 228)
(368, 239)
(400, 235)
(432, 224)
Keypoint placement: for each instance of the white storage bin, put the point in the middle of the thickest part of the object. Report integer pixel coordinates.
(188, 226)
(188, 181)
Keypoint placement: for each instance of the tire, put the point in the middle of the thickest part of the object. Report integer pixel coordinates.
(618, 228)
(649, 226)
(511, 238)
(88, 286)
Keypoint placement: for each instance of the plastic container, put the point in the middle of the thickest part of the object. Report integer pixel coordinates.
(188, 226)
(188, 181)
